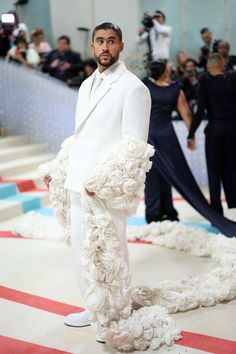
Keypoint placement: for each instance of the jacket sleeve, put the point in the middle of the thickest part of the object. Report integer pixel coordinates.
(136, 113)
(163, 29)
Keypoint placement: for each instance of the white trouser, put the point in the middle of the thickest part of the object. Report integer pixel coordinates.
(77, 236)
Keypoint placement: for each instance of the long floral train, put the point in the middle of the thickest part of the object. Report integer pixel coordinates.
(135, 318)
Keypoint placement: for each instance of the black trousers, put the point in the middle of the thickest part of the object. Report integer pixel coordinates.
(158, 198)
(220, 147)
(170, 163)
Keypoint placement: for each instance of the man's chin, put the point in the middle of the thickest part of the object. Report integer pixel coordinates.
(106, 63)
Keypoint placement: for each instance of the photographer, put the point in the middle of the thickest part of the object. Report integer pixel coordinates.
(156, 35)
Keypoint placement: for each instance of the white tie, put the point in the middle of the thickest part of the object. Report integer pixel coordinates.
(96, 84)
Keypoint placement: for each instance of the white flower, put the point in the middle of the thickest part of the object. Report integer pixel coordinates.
(105, 193)
(140, 344)
(101, 220)
(129, 186)
(95, 301)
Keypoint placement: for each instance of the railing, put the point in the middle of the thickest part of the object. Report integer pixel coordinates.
(35, 104)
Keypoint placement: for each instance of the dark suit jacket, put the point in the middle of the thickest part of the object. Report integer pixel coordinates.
(70, 57)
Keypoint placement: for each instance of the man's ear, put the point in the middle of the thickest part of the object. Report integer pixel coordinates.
(92, 47)
(122, 46)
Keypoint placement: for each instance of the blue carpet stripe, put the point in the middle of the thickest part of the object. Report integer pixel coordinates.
(7, 190)
(28, 202)
(136, 221)
(139, 221)
(45, 211)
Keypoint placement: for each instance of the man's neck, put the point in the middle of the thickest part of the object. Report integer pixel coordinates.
(63, 52)
(215, 72)
(102, 68)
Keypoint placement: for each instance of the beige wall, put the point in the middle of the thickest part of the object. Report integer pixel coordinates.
(88, 13)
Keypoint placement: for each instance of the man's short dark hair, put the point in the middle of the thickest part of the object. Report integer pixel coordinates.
(190, 60)
(107, 26)
(204, 30)
(65, 38)
(158, 12)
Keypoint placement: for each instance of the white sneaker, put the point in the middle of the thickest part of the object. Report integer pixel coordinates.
(100, 339)
(79, 319)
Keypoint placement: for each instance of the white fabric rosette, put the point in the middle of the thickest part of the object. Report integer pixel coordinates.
(118, 181)
(59, 196)
(136, 318)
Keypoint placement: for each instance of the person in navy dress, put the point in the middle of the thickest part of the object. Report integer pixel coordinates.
(169, 166)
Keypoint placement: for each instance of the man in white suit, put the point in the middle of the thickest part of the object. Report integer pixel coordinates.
(112, 103)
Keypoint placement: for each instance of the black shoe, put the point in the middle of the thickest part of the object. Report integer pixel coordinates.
(169, 217)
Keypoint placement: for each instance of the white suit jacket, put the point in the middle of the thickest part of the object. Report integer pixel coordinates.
(121, 106)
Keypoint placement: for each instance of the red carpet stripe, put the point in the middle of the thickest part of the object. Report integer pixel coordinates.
(192, 340)
(142, 242)
(12, 346)
(38, 302)
(207, 343)
(37, 190)
(23, 185)
(9, 234)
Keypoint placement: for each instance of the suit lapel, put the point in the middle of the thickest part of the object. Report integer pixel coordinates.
(89, 105)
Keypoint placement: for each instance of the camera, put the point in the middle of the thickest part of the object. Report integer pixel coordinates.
(147, 21)
(7, 23)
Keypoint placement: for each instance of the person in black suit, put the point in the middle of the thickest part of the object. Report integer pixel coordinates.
(223, 48)
(210, 46)
(217, 96)
(62, 63)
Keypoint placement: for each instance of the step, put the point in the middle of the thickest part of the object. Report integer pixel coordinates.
(22, 203)
(31, 175)
(17, 152)
(44, 196)
(9, 209)
(7, 223)
(13, 140)
(12, 168)
(7, 189)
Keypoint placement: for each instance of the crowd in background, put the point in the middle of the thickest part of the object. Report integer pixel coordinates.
(184, 87)
(185, 70)
(33, 51)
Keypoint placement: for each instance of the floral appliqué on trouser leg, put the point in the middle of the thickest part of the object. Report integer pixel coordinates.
(118, 182)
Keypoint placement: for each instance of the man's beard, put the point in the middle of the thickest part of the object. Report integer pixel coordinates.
(107, 63)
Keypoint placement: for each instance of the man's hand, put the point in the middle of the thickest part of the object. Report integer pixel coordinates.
(91, 194)
(47, 180)
(54, 64)
(65, 66)
(191, 144)
(141, 30)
